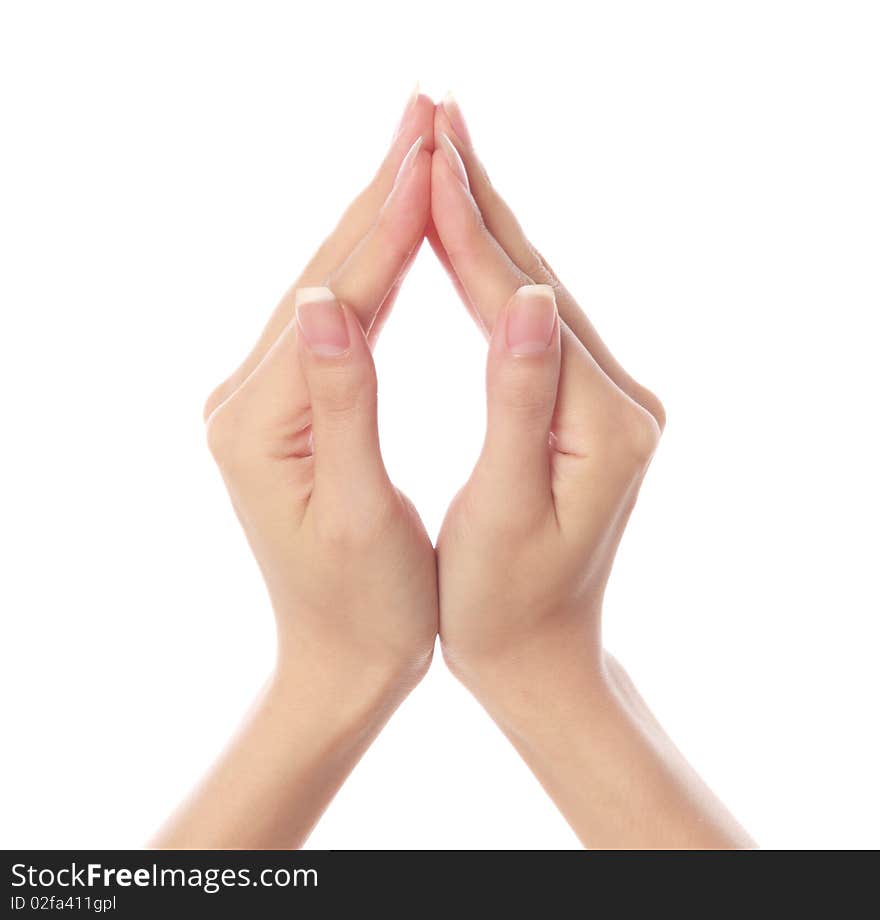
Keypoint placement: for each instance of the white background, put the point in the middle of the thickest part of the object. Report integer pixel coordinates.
(704, 176)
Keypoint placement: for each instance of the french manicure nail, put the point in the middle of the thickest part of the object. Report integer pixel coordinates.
(410, 104)
(321, 321)
(454, 159)
(456, 119)
(408, 161)
(531, 317)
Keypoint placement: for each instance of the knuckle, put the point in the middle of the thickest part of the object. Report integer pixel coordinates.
(647, 399)
(215, 398)
(653, 404)
(634, 435)
(642, 435)
(223, 433)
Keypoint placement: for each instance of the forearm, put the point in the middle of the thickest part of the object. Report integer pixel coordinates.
(601, 755)
(310, 726)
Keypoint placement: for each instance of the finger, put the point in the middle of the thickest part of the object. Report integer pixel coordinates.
(504, 226)
(487, 274)
(443, 258)
(341, 380)
(377, 264)
(371, 276)
(489, 279)
(522, 377)
(391, 298)
(417, 122)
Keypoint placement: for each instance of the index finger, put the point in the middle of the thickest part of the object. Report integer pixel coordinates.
(360, 215)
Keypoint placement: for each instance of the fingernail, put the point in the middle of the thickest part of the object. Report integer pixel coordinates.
(455, 161)
(456, 119)
(408, 161)
(410, 104)
(531, 317)
(321, 321)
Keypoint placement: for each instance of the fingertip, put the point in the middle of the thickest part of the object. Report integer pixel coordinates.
(531, 321)
(407, 207)
(442, 125)
(453, 158)
(418, 121)
(525, 341)
(446, 189)
(421, 169)
(323, 328)
(424, 119)
(408, 161)
(413, 175)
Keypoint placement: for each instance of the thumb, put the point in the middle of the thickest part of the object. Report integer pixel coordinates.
(341, 380)
(522, 378)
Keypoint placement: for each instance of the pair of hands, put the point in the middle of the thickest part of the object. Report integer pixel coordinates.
(515, 586)
(527, 545)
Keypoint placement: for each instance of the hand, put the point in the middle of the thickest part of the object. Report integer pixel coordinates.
(347, 562)
(524, 553)
(527, 546)
(350, 570)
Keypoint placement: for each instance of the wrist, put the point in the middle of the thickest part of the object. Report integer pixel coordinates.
(517, 680)
(313, 720)
(580, 724)
(348, 680)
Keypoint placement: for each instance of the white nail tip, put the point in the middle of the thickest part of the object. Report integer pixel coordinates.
(454, 158)
(408, 160)
(528, 348)
(410, 105)
(312, 295)
(536, 290)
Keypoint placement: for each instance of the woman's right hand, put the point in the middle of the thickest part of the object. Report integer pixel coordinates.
(350, 570)
(349, 567)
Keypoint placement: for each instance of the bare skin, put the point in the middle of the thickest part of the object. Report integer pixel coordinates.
(528, 544)
(349, 568)
(523, 556)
